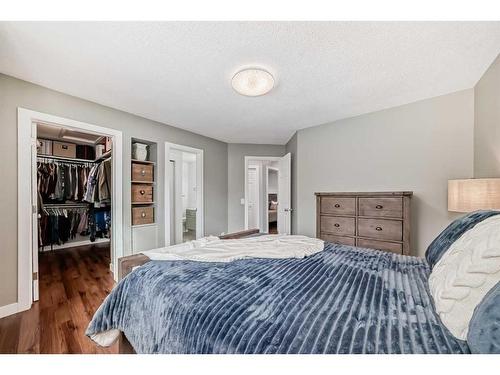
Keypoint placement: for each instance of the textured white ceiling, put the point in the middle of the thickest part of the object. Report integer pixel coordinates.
(180, 73)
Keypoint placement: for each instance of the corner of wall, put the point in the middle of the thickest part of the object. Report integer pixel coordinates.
(486, 123)
(292, 148)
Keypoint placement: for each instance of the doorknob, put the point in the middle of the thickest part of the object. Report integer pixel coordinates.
(287, 209)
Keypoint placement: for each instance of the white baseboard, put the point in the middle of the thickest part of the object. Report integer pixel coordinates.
(7, 310)
(75, 244)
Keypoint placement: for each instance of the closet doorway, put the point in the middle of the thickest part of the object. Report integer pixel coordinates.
(268, 194)
(74, 224)
(183, 193)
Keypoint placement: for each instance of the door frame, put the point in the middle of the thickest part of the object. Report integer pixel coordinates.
(259, 183)
(200, 203)
(247, 160)
(25, 205)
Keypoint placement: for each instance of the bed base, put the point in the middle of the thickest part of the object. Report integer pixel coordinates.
(128, 263)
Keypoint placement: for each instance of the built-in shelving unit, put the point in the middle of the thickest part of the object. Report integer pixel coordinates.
(143, 190)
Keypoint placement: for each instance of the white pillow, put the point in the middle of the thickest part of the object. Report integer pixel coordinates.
(465, 273)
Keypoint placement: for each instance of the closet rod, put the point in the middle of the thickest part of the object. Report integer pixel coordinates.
(61, 158)
(64, 205)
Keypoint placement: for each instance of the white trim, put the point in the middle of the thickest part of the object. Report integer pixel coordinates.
(24, 213)
(258, 183)
(25, 118)
(7, 310)
(247, 159)
(200, 203)
(76, 243)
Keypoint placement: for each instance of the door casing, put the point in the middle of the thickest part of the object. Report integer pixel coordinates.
(27, 199)
(200, 218)
(247, 162)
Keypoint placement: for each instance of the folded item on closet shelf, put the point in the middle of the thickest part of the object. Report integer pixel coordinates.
(85, 152)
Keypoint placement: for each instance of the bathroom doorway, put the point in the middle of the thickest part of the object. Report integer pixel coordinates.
(184, 194)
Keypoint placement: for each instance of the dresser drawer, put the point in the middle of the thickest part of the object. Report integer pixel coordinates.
(142, 193)
(142, 172)
(383, 207)
(380, 245)
(380, 229)
(338, 239)
(142, 215)
(338, 205)
(338, 225)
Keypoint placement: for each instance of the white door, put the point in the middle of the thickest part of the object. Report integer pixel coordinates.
(253, 198)
(285, 195)
(34, 216)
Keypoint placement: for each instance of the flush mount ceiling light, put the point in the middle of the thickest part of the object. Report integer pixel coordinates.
(252, 82)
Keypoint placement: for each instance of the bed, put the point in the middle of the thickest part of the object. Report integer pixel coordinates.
(340, 300)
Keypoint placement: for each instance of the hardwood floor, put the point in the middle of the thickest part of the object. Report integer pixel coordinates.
(273, 228)
(73, 283)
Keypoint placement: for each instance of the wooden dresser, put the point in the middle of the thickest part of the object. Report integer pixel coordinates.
(379, 220)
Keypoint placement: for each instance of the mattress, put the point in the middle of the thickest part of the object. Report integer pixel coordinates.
(340, 300)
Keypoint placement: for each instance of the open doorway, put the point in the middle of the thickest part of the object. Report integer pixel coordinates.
(272, 199)
(73, 190)
(268, 194)
(184, 194)
(67, 217)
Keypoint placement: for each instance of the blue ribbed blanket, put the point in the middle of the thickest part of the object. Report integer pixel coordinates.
(341, 300)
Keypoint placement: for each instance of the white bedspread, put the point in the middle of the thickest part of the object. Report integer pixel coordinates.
(213, 249)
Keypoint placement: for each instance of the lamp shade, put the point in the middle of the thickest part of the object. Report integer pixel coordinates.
(474, 194)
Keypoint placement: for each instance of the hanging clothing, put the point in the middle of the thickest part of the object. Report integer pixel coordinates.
(105, 181)
(60, 181)
(91, 183)
(98, 189)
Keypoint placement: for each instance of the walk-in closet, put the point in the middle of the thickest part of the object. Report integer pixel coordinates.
(74, 190)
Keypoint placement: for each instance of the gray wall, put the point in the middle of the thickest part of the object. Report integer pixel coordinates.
(16, 93)
(487, 123)
(415, 147)
(236, 153)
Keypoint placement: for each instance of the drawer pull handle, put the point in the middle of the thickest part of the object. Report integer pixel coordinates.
(337, 205)
(378, 228)
(336, 225)
(143, 214)
(143, 172)
(379, 206)
(142, 192)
